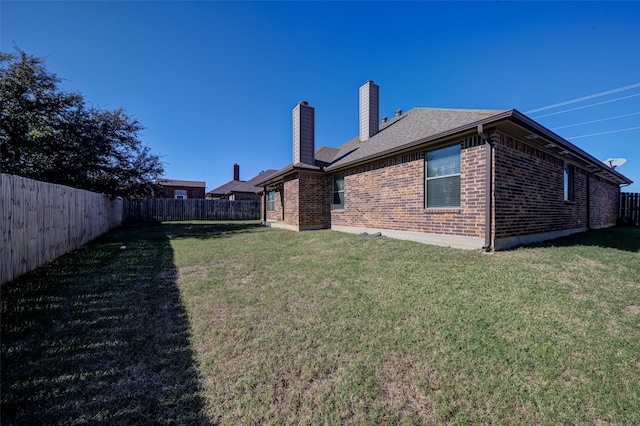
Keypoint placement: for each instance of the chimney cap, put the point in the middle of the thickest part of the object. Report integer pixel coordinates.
(303, 103)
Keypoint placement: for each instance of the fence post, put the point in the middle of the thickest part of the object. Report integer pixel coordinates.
(160, 209)
(630, 206)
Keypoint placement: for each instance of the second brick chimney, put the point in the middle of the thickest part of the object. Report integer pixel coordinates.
(303, 134)
(369, 110)
(236, 172)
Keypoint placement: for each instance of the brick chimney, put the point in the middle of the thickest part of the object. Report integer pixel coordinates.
(303, 134)
(369, 110)
(236, 172)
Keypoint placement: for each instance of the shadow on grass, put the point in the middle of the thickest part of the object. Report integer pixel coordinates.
(100, 336)
(625, 238)
(207, 230)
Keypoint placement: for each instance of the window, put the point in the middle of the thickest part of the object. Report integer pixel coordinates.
(338, 192)
(568, 182)
(443, 177)
(180, 194)
(271, 201)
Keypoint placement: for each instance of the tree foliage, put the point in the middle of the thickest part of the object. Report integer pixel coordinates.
(52, 135)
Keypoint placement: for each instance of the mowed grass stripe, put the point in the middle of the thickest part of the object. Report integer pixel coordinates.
(324, 327)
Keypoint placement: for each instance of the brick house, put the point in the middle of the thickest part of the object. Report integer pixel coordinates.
(488, 179)
(180, 189)
(240, 190)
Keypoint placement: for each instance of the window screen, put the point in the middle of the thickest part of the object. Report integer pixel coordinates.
(443, 177)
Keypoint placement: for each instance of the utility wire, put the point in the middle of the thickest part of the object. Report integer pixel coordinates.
(584, 98)
(595, 121)
(604, 133)
(587, 106)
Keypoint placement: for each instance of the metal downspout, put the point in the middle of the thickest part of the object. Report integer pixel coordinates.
(488, 187)
(589, 200)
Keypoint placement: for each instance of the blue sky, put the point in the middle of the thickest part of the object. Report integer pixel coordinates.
(214, 83)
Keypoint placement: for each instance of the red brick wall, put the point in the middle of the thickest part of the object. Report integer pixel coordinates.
(291, 195)
(314, 203)
(389, 194)
(309, 212)
(529, 191)
(244, 196)
(604, 200)
(192, 192)
(276, 214)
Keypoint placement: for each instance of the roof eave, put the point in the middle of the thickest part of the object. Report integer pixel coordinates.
(565, 144)
(287, 170)
(513, 115)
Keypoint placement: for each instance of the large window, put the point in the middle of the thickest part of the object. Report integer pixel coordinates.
(568, 182)
(443, 177)
(338, 192)
(271, 201)
(180, 194)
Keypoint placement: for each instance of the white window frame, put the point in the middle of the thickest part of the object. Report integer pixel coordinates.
(337, 192)
(180, 194)
(271, 201)
(428, 179)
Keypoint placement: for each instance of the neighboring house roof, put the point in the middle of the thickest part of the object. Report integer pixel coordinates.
(173, 182)
(236, 186)
(419, 126)
(226, 188)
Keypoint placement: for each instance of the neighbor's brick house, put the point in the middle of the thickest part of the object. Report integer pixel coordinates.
(240, 190)
(180, 189)
(463, 178)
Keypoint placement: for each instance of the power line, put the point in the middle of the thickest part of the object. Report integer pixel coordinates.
(587, 106)
(604, 133)
(596, 121)
(584, 98)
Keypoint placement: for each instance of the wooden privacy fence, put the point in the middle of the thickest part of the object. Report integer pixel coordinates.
(41, 221)
(160, 210)
(630, 206)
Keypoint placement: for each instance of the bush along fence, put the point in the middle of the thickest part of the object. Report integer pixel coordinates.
(41, 221)
(629, 207)
(160, 210)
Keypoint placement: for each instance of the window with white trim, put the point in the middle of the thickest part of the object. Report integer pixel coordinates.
(180, 194)
(442, 177)
(271, 201)
(338, 192)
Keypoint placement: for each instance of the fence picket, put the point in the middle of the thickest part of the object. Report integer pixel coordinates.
(161, 210)
(630, 206)
(41, 221)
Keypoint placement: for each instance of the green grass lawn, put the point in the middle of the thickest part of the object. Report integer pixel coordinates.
(234, 323)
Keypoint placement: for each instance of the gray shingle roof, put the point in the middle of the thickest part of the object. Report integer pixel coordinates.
(415, 125)
(422, 125)
(226, 188)
(396, 134)
(174, 182)
(242, 186)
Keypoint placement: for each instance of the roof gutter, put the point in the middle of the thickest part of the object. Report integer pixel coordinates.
(488, 185)
(532, 125)
(287, 170)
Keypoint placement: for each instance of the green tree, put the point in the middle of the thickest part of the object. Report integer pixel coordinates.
(49, 134)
